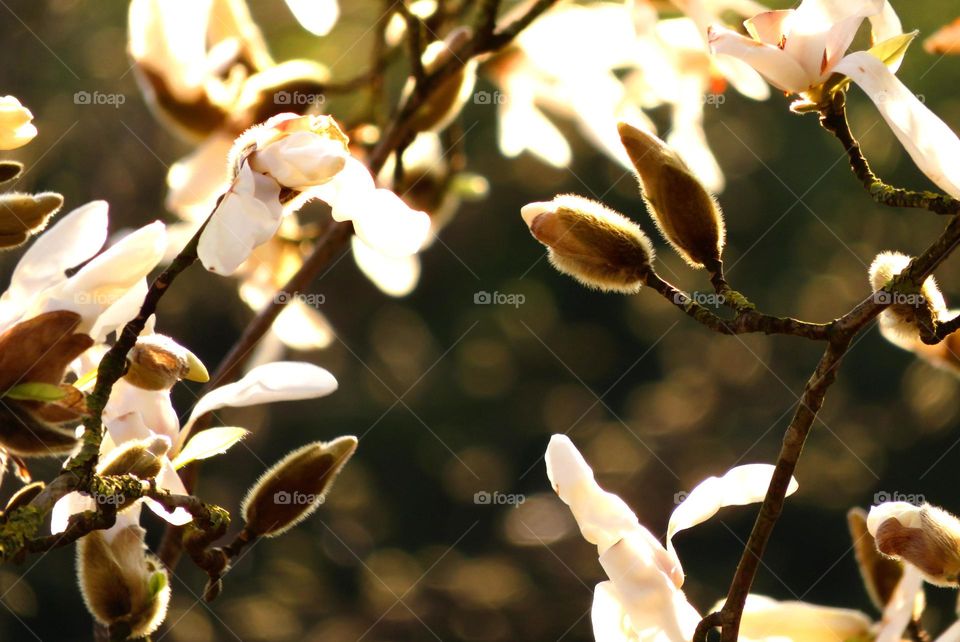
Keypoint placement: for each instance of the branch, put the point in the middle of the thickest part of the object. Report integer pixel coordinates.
(833, 118)
(748, 320)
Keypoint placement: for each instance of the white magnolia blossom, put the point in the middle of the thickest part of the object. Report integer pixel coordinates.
(798, 50)
(106, 292)
(134, 413)
(309, 155)
(16, 126)
(642, 601)
(663, 62)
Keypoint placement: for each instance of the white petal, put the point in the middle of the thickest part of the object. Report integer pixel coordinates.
(765, 618)
(389, 225)
(904, 512)
(952, 634)
(353, 179)
(248, 216)
(16, 128)
(209, 442)
(72, 240)
(316, 16)
(280, 381)
(652, 601)
(394, 276)
(770, 27)
(300, 160)
(169, 480)
(104, 280)
(70, 504)
(929, 141)
(778, 67)
(524, 127)
(610, 620)
(122, 311)
(135, 413)
(741, 485)
(900, 609)
(885, 25)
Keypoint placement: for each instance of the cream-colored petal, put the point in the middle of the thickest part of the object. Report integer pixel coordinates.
(316, 16)
(774, 64)
(395, 276)
(932, 145)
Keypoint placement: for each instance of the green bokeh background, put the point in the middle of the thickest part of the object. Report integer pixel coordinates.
(655, 402)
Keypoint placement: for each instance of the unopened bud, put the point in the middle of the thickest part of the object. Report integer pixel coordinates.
(142, 458)
(124, 587)
(295, 486)
(902, 318)
(925, 536)
(447, 100)
(9, 170)
(880, 574)
(23, 215)
(157, 362)
(597, 246)
(685, 212)
(24, 496)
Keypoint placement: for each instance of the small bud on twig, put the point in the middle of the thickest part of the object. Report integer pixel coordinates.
(925, 536)
(597, 246)
(23, 215)
(686, 214)
(295, 486)
(906, 311)
(157, 362)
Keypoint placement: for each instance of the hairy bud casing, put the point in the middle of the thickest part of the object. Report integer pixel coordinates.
(925, 536)
(295, 486)
(685, 212)
(597, 246)
(157, 362)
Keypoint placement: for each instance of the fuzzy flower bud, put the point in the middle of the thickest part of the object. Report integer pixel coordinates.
(124, 587)
(901, 319)
(16, 126)
(295, 486)
(597, 246)
(925, 536)
(23, 215)
(157, 362)
(685, 213)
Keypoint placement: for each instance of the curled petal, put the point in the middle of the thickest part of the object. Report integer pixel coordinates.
(248, 216)
(396, 276)
(169, 480)
(388, 225)
(930, 142)
(316, 16)
(770, 27)
(280, 381)
(768, 619)
(774, 64)
(67, 506)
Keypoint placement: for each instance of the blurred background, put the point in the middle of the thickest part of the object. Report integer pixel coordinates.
(453, 398)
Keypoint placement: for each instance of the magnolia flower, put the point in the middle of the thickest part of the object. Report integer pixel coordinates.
(798, 50)
(662, 62)
(16, 128)
(135, 414)
(307, 156)
(643, 600)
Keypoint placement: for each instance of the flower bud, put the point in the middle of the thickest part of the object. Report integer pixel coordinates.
(685, 213)
(23, 215)
(142, 458)
(902, 318)
(24, 496)
(124, 587)
(597, 246)
(447, 100)
(295, 486)
(925, 536)
(157, 362)
(16, 126)
(9, 170)
(880, 574)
